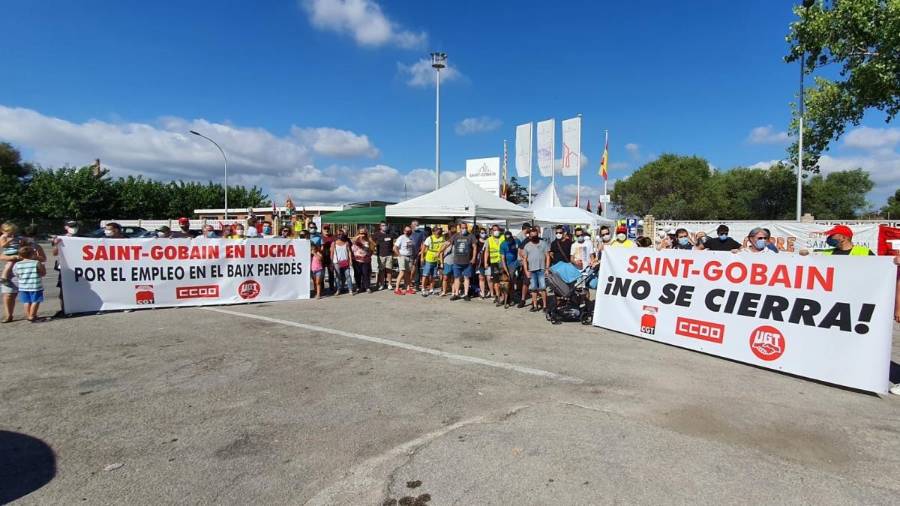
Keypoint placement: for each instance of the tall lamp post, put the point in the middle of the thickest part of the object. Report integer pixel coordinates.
(226, 167)
(806, 5)
(438, 61)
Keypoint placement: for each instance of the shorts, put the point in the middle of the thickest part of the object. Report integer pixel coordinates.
(9, 287)
(31, 297)
(319, 274)
(404, 264)
(494, 271)
(462, 271)
(538, 283)
(430, 269)
(448, 269)
(385, 262)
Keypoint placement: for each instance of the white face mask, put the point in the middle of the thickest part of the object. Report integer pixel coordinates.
(496, 233)
(606, 237)
(620, 237)
(559, 236)
(108, 233)
(160, 234)
(580, 238)
(72, 230)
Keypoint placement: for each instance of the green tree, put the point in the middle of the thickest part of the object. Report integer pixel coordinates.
(747, 194)
(13, 174)
(668, 187)
(863, 38)
(892, 209)
(69, 193)
(516, 192)
(837, 196)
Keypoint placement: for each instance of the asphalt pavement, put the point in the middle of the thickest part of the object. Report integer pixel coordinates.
(381, 399)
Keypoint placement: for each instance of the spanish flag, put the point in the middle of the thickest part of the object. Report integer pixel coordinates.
(604, 161)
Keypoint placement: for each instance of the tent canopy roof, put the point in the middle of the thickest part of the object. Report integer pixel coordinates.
(364, 215)
(459, 199)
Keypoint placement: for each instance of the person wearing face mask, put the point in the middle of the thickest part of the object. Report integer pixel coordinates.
(430, 254)
(509, 256)
(418, 237)
(71, 231)
(492, 259)
(722, 241)
(315, 238)
(464, 255)
(403, 249)
(560, 248)
(327, 243)
(480, 268)
(340, 259)
(184, 229)
(582, 249)
(682, 241)
(164, 232)
(447, 261)
(700, 240)
(113, 230)
(603, 238)
(237, 232)
(758, 242)
(523, 272)
(209, 232)
(286, 233)
(537, 263)
(621, 240)
(384, 260)
(362, 248)
(840, 242)
(267, 229)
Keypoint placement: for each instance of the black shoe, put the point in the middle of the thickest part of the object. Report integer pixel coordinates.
(467, 298)
(521, 304)
(454, 297)
(534, 309)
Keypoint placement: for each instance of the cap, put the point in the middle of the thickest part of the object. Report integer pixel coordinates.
(722, 228)
(844, 230)
(622, 229)
(164, 229)
(71, 223)
(670, 231)
(183, 220)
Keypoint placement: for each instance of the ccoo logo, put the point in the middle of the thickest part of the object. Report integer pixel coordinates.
(197, 292)
(767, 343)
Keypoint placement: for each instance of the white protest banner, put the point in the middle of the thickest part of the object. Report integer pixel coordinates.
(571, 138)
(828, 318)
(545, 146)
(523, 150)
(111, 274)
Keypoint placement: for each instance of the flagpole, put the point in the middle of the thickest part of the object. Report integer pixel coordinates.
(530, 160)
(606, 152)
(553, 156)
(503, 188)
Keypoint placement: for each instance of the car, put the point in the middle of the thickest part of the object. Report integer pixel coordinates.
(126, 231)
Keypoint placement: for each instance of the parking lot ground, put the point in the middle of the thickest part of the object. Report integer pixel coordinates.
(376, 398)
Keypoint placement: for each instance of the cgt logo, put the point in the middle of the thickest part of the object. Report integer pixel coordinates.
(699, 329)
(143, 294)
(648, 320)
(197, 292)
(767, 343)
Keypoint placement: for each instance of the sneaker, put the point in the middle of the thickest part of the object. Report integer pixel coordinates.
(454, 297)
(506, 306)
(895, 389)
(410, 291)
(467, 298)
(521, 304)
(425, 294)
(444, 294)
(399, 292)
(534, 309)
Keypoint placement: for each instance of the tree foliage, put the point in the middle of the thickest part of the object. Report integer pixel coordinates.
(516, 192)
(29, 193)
(863, 38)
(685, 188)
(892, 209)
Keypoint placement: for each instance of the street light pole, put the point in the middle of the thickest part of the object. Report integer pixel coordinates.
(806, 5)
(438, 61)
(226, 167)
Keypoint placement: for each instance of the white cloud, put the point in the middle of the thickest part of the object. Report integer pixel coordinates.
(872, 138)
(567, 194)
(378, 182)
(335, 143)
(421, 75)
(767, 135)
(477, 125)
(363, 20)
(633, 149)
(765, 164)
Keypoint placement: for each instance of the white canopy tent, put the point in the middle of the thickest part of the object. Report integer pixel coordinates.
(548, 211)
(459, 199)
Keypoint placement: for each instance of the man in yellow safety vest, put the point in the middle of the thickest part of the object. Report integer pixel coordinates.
(491, 261)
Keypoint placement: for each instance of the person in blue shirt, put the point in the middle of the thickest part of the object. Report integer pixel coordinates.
(509, 251)
(418, 238)
(315, 238)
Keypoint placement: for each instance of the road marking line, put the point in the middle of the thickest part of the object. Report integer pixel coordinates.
(406, 346)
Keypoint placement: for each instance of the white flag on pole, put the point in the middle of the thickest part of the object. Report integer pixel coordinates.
(571, 148)
(523, 150)
(545, 142)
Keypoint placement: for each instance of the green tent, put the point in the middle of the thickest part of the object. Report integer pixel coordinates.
(356, 215)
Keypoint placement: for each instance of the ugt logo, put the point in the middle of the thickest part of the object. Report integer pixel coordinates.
(767, 343)
(648, 320)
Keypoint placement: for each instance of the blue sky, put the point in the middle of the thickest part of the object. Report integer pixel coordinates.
(321, 100)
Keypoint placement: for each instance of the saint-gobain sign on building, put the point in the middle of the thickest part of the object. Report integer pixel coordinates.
(485, 172)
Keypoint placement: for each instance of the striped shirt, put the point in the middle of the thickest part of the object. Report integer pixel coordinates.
(29, 279)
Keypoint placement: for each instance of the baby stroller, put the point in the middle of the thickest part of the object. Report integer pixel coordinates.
(569, 299)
